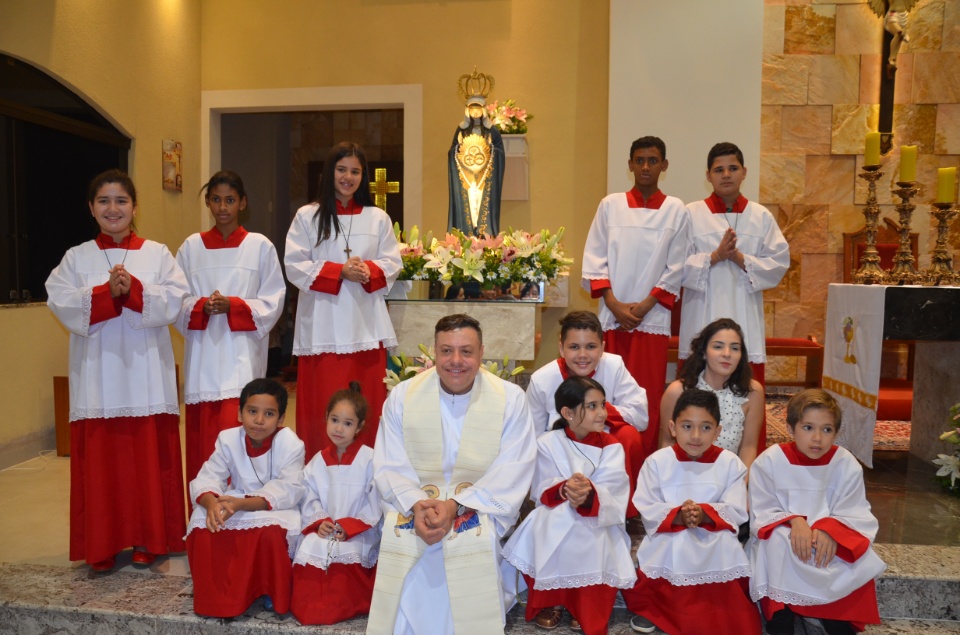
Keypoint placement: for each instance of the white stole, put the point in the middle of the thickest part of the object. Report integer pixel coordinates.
(469, 561)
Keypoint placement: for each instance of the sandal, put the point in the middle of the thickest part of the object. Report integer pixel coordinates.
(549, 618)
(574, 624)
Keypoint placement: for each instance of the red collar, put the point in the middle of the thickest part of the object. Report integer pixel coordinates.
(330, 454)
(635, 199)
(352, 207)
(595, 439)
(709, 456)
(717, 206)
(130, 241)
(213, 239)
(796, 457)
(264, 447)
(565, 371)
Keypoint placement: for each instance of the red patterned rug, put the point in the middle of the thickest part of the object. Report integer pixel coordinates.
(888, 435)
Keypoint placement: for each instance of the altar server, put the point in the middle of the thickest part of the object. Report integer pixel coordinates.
(246, 519)
(582, 355)
(735, 252)
(116, 295)
(693, 575)
(573, 548)
(336, 562)
(236, 297)
(812, 529)
(343, 256)
(632, 261)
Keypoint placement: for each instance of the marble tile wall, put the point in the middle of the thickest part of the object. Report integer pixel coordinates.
(821, 87)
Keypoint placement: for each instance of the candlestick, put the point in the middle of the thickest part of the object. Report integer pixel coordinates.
(904, 270)
(908, 163)
(870, 271)
(946, 185)
(871, 155)
(941, 270)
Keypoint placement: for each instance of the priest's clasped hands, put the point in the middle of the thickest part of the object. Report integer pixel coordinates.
(432, 518)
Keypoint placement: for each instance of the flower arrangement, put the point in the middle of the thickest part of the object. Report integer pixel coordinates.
(949, 472)
(508, 118)
(411, 366)
(513, 256)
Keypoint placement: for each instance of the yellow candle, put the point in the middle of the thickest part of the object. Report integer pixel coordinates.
(908, 163)
(872, 154)
(946, 184)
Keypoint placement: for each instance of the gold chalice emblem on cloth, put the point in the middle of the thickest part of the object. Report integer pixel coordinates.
(848, 332)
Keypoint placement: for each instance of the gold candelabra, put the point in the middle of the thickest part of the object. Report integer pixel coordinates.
(941, 270)
(904, 264)
(870, 271)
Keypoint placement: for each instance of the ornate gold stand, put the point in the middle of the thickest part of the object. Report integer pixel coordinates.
(870, 271)
(941, 270)
(904, 264)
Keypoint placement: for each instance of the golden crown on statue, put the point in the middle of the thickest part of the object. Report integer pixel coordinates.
(475, 85)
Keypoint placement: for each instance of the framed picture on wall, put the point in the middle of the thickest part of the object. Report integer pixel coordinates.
(172, 170)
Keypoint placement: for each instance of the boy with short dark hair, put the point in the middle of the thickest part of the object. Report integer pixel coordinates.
(632, 261)
(736, 251)
(692, 496)
(811, 548)
(246, 497)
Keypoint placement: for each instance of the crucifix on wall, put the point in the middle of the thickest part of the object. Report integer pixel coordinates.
(895, 15)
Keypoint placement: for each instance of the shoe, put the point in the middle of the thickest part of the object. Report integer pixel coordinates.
(549, 618)
(104, 565)
(574, 624)
(640, 624)
(837, 627)
(267, 603)
(781, 623)
(143, 558)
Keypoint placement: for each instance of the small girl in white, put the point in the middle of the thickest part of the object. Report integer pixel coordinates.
(336, 563)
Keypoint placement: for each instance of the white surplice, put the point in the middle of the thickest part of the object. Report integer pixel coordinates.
(622, 392)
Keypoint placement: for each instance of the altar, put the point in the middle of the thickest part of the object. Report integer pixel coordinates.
(859, 318)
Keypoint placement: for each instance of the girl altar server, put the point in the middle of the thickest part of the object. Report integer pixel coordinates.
(573, 549)
(116, 295)
(246, 518)
(336, 562)
(718, 363)
(692, 496)
(236, 297)
(813, 531)
(582, 354)
(343, 256)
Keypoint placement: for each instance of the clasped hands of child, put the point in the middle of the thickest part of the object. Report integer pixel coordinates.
(690, 515)
(355, 270)
(576, 489)
(221, 508)
(727, 250)
(120, 280)
(807, 543)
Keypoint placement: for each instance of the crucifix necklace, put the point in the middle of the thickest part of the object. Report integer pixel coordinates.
(346, 235)
(104, 250)
(726, 217)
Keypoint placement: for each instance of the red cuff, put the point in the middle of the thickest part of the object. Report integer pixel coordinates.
(312, 527)
(551, 496)
(377, 279)
(614, 419)
(718, 524)
(665, 298)
(850, 544)
(240, 316)
(198, 317)
(764, 532)
(103, 306)
(591, 506)
(667, 526)
(597, 287)
(328, 280)
(352, 526)
(134, 300)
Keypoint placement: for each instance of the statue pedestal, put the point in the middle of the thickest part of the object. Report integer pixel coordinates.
(509, 328)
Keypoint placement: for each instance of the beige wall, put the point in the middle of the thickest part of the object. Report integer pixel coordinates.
(549, 55)
(138, 63)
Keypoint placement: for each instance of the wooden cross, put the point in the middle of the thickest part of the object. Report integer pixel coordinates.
(380, 187)
(893, 36)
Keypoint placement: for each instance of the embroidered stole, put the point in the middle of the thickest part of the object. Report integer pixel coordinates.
(473, 581)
